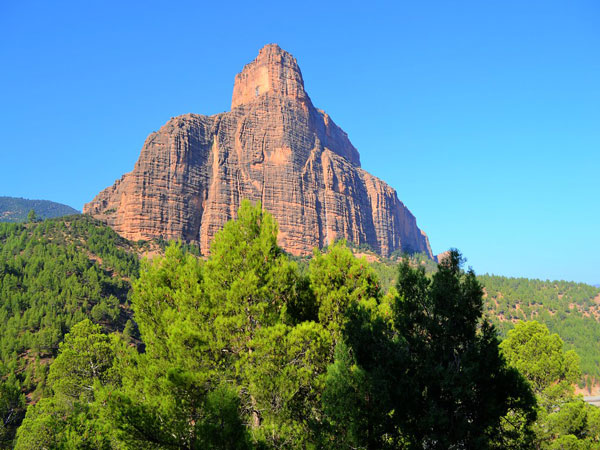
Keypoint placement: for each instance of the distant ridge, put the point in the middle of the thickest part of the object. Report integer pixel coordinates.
(15, 209)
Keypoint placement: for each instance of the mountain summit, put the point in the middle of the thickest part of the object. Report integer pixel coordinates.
(273, 71)
(273, 146)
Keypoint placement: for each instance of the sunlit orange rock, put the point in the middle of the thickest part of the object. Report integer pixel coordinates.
(273, 146)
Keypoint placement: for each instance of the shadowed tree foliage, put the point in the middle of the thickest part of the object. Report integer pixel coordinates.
(366, 385)
(364, 378)
(462, 387)
(422, 370)
(12, 410)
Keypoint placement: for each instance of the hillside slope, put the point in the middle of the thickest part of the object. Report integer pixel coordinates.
(570, 309)
(53, 274)
(14, 209)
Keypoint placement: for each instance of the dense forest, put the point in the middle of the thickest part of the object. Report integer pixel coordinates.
(14, 209)
(572, 310)
(54, 274)
(250, 348)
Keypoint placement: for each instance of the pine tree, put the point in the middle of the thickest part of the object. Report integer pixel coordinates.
(564, 419)
(461, 385)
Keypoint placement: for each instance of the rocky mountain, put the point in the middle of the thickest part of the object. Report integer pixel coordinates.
(15, 209)
(273, 146)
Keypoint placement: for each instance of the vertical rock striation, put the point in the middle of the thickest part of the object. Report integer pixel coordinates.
(273, 146)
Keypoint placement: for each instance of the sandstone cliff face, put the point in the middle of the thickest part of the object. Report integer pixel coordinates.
(273, 146)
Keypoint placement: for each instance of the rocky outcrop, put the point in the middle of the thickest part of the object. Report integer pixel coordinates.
(273, 146)
(440, 257)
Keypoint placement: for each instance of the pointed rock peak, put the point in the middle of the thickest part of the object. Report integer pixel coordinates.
(273, 71)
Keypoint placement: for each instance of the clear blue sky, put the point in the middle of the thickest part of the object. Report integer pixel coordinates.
(484, 115)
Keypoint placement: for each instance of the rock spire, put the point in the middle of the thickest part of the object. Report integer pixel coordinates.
(273, 72)
(273, 146)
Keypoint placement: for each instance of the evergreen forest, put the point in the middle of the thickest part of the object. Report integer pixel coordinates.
(250, 348)
(572, 310)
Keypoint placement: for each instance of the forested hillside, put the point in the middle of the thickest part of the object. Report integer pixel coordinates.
(53, 274)
(570, 309)
(14, 209)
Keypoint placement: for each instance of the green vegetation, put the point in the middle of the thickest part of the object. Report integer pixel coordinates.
(243, 350)
(12, 410)
(53, 274)
(564, 420)
(13, 209)
(570, 309)
(250, 348)
(465, 390)
(387, 268)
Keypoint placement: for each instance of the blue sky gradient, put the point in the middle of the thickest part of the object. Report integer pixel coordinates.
(484, 116)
